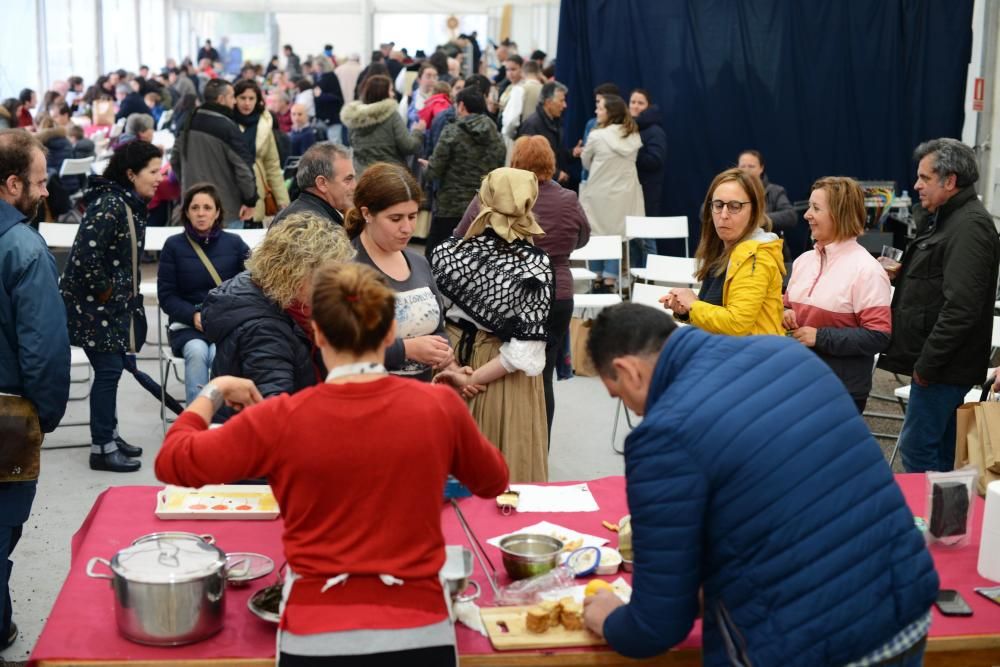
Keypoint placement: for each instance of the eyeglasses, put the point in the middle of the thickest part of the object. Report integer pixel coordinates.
(733, 206)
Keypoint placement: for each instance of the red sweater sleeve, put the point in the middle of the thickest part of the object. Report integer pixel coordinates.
(194, 455)
(477, 463)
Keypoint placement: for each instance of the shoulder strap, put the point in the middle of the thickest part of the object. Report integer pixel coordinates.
(205, 260)
(135, 250)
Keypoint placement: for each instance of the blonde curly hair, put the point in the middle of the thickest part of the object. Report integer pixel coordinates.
(286, 258)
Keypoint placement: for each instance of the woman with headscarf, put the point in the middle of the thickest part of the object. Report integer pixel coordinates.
(258, 131)
(498, 290)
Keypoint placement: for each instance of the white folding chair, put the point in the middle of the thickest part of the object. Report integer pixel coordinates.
(77, 359)
(252, 237)
(670, 270)
(598, 248)
(99, 166)
(156, 237)
(165, 119)
(76, 166)
(646, 295)
(671, 227)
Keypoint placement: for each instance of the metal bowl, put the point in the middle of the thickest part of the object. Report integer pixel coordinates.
(527, 555)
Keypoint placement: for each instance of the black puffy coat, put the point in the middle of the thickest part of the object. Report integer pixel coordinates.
(256, 339)
(330, 100)
(942, 309)
(652, 158)
(183, 282)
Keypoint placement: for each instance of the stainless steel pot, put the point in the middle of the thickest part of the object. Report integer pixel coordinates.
(175, 535)
(168, 590)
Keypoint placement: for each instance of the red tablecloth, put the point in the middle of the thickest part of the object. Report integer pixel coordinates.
(82, 626)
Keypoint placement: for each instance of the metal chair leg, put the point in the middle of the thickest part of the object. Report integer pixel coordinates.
(614, 427)
(895, 447)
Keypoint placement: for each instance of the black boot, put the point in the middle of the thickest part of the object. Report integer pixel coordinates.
(113, 462)
(127, 449)
(11, 637)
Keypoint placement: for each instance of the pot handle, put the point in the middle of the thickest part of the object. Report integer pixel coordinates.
(471, 596)
(208, 539)
(96, 575)
(237, 568)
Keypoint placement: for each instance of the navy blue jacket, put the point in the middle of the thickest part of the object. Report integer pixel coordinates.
(753, 477)
(34, 340)
(133, 103)
(256, 339)
(183, 282)
(652, 158)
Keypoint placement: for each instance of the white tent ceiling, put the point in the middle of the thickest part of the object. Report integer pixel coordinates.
(354, 6)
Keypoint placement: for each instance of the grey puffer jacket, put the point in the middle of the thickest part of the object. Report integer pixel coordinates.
(378, 133)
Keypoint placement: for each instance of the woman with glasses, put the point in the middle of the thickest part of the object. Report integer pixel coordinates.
(838, 298)
(739, 263)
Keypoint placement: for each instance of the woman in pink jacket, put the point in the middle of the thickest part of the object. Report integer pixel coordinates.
(838, 298)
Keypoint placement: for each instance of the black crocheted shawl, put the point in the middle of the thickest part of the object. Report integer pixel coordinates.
(505, 287)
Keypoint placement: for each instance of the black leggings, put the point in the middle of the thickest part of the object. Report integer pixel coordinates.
(434, 656)
(559, 317)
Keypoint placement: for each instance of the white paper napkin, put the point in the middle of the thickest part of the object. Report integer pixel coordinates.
(467, 613)
(572, 498)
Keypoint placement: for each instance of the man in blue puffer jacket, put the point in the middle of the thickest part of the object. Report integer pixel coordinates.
(753, 479)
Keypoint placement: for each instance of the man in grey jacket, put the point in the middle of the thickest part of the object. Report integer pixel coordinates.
(211, 149)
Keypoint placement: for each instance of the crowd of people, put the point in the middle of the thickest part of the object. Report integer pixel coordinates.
(334, 317)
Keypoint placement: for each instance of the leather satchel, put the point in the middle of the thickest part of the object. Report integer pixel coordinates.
(270, 203)
(20, 440)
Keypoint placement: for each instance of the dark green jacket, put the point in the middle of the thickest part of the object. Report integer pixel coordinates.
(468, 149)
(942, 309)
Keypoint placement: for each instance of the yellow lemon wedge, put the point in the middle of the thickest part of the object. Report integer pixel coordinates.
(596, 585)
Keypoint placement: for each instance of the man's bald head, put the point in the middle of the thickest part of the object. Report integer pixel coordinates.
(300, 118)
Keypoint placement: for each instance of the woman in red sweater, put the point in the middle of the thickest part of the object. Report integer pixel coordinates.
(357, 465)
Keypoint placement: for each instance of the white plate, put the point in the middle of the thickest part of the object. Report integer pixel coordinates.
(227, 502)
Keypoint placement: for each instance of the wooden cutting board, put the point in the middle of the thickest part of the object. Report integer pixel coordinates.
(518, 637)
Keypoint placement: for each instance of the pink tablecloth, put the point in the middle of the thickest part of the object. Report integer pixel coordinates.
(81, 625)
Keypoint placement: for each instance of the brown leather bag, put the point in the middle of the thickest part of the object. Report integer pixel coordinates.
(270, 203)
(20, 440)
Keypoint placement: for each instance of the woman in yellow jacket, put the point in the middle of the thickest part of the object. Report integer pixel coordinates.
(258, 130)
(740, 265)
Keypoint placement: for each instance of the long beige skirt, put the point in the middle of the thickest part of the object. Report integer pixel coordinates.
(510, 413)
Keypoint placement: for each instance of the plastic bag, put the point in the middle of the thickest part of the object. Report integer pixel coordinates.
(949, 506)
(529, 591)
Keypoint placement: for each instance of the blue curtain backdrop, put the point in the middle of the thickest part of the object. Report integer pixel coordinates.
(820, 87)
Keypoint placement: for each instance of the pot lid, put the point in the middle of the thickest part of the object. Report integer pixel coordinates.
(167, 560)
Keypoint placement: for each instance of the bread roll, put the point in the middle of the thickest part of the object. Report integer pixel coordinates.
(571, 616)
(537, 620)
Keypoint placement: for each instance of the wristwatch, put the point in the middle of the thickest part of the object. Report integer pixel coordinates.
(214, 394)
